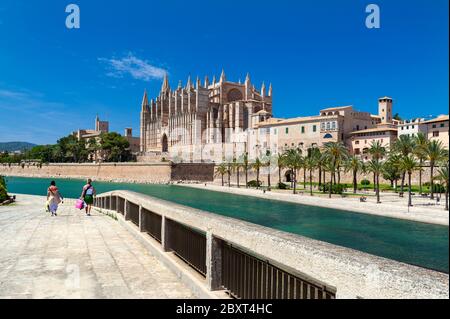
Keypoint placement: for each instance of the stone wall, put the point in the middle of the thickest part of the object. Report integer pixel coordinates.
(118, 172)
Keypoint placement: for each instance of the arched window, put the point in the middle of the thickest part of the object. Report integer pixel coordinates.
(328, 135)
(234, 95)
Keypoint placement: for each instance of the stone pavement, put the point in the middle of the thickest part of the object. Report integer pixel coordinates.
(75, 256)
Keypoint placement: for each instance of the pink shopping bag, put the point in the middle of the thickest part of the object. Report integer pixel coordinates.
(79, 204)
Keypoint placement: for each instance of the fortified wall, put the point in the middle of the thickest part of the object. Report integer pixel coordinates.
(117, 172)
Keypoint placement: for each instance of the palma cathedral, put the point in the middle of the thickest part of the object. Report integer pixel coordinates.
(207, 121)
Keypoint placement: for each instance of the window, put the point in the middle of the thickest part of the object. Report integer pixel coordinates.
(303, 129)
(314, 128)
(287, 130)
(442, 124)
(322, 126)
(333, 125)
(357, 142)
(357, 151)
(275, 131)
(328, 135)
(357, 127)
(435, 133)
(412, 126)
(328, 125)
(434, 125)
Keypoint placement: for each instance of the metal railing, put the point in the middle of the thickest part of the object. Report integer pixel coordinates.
(189, 244)
(133, 213)
(151, 224)
(241, 274)
(121, 205)
(248, 277)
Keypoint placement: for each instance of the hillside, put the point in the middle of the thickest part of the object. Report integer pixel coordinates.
(15, 146)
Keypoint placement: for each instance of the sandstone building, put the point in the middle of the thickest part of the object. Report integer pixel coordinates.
(202, 121)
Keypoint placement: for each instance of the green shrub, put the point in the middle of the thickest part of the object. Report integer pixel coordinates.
(365, 182)
(336, 189)
(254, 183)
(3, 192)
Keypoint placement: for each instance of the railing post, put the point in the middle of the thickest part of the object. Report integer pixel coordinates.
(213, 262)
(117, 204)
(164, 234)
(141, 219)
(125, 210)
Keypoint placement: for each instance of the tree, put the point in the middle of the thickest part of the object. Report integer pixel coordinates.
(257, 165)
(376, 167)
(391, 171)
(335, 152)
(3, 190)
(267, 163)
(115, 147)
(329, 167)
(310, 165)
(435, 152)
(354, 164)
(408, 164)
(421, 145)
(294, 162)
(237, 168)
(281, 163)
(404, 146)
(221, 170)
(246, 166)
(397, 117)
(377, 152)
(230, 166)
(442, 175)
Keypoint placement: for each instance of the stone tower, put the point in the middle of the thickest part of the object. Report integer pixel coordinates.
(385, 109)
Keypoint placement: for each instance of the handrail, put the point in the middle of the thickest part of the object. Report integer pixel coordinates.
(337, 270)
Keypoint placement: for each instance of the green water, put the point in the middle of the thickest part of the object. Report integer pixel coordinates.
(410, 242)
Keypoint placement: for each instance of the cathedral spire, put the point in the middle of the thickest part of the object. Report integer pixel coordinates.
(222, 76)
(214, 80)
(188, 84)
(165, 86)
(270, 89)
(144, 102)
(263, 90)
(247, 78)
(206, 81)
(198, 83)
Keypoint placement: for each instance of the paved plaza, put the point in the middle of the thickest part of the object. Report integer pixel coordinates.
(74, 256)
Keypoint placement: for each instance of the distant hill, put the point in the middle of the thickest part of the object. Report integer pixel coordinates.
(15, 146)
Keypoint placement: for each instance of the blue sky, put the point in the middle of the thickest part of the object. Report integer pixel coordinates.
(317, 53)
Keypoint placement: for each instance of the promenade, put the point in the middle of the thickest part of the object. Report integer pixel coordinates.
(74, 256)
(392, 205)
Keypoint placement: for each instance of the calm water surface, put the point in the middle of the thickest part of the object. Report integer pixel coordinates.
(415, 243)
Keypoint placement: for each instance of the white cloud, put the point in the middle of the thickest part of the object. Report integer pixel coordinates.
(131, 65)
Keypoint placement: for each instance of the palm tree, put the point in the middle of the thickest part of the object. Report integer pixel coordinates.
(237, 168)
(267, 163)
(408, 164)
(443, 177)
(257, 167)
(376, 167)
(421, 145)
(246, 166)
(403, 146)
(315, 152)
(329, 167)
(354, 164)
(221, 170)
(335, 152)
(294, 162)
(229, 171)
(435, 152)
(281, 163)
(310, 165)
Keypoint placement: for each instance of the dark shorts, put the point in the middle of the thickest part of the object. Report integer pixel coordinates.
(89, 199)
